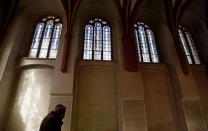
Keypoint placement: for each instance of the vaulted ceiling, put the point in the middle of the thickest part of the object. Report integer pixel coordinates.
(127, 9)
(33, 8)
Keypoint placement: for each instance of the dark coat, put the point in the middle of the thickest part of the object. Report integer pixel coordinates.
(51, 123)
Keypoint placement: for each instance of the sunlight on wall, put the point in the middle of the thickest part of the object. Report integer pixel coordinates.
(28, 102)
(32, 100)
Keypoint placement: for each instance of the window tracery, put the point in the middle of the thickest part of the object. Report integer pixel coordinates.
(146, 46)
(97, 41)
(188, 46)
(46, 38)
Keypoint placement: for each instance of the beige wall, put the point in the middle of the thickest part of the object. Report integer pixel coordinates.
(158, 98)
(10, 48)
(100, 95)
(202, 82)
(133, 115)
(96, 104)
(31, 101)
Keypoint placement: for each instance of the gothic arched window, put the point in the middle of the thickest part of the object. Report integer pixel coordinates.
(146, 46)
(46, 38)
(97, 41)
(188, 46)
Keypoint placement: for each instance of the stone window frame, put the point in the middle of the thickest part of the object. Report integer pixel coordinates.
(147, 50)
(89, 49)
(188, 46)
(40, 37)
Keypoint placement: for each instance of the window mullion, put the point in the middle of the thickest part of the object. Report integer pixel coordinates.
(138, 44)
(111, 51)
(102, 42)
(195, 51)
(188, 46)
(41, 40)
(93, 41)
(51, 38)
(148, 43)
(98, 40)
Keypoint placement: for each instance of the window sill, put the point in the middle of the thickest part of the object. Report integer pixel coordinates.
(82, 63)
(30, 58)
(153, 66)
(98, 60)
(197, 67)
(28, 62)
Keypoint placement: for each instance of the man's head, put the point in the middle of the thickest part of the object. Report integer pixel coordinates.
(60, 110)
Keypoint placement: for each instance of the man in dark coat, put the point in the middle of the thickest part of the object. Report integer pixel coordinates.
(53, 121)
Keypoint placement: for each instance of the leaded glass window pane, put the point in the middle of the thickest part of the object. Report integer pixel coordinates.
(33, 53)
(36, 40)
(87, 55)
(146, 47)
(55, 40)
(97, 55)
(88, 42)
(46, 38)
(188, 46)
(97, 38)
(107, 55)
(152, 46)
(138, 46)
(97, 41)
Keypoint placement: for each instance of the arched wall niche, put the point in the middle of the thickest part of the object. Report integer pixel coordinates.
(33, 12)
(151, 18)
(197, 27)
(167, 50)
(98, 77)
(194, 20)
(104, 10)
(156, 6)
(198, 9)
(162, 34)
(40, 7)
(152, 73)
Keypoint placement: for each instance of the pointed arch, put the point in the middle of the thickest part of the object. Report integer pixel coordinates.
(188, 46)
(97, 40)
(46, 38)
(171, 17)
(146, 45)
(70, 8)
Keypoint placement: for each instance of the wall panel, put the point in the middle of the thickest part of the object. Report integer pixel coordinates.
(158, 99)
(97, 100)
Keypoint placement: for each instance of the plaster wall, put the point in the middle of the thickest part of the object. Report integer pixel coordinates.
(158, 98)
(184, 87)
(194, 20)
(102, 95)
(96, 104)
(196, 25)
(31, 100)
(8, 55)
(133, 114)
(202, 82)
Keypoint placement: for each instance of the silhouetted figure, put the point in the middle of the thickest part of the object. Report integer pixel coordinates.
(53, 121)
